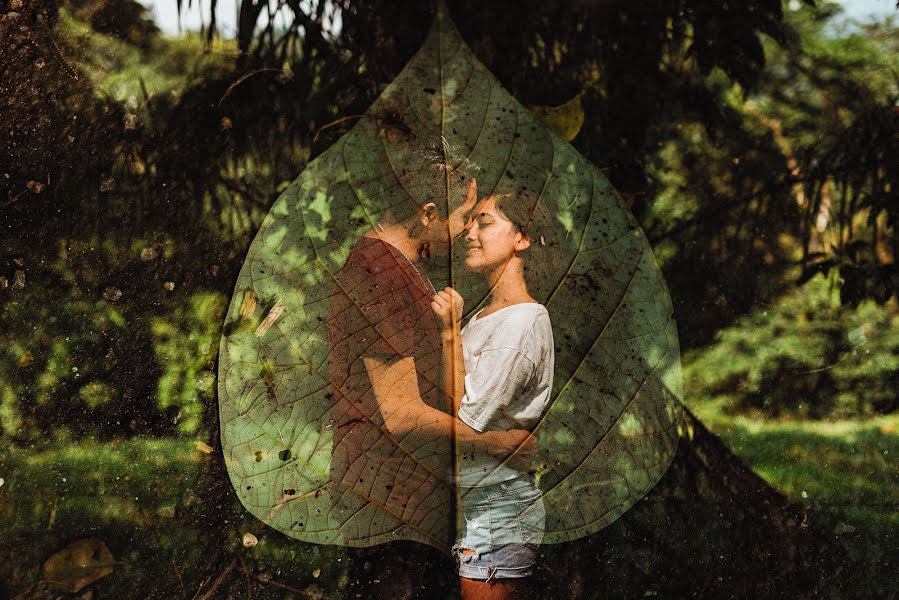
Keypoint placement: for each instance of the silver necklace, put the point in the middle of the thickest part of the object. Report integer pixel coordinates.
(421, 276)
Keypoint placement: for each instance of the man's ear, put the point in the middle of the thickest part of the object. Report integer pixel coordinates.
(426, 214)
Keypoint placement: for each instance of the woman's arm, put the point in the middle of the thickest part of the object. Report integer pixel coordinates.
(447, 306)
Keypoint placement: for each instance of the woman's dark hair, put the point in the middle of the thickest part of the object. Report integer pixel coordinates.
(518, 209)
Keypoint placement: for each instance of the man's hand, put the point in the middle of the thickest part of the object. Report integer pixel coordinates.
(447, 306)
(517, 447)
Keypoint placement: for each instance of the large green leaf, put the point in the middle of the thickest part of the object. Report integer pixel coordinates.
(611, 430)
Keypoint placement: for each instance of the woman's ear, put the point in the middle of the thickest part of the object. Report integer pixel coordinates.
(522, 242)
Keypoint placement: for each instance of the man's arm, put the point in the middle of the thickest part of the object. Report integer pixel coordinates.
(415, 424)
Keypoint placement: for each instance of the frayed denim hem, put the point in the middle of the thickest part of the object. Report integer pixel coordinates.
(517, 559)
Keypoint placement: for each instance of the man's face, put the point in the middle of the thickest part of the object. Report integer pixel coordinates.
(443, 233)
(459, 218)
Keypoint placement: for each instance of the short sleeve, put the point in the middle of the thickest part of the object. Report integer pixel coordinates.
(383, 314)
(390, 318)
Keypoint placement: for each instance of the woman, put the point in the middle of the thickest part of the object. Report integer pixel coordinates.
(503, 383)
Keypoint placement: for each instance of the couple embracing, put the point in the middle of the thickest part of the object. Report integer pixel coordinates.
(409, 383)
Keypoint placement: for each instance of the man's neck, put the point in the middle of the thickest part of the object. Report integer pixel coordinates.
(398, 237)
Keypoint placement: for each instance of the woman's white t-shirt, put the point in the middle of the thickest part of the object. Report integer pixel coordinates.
(509, 361)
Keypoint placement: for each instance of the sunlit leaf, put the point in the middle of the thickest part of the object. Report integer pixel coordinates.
(25, 360)
(203, 447)
(565, 120)
(249, 305)
(79, 564)
(611, 430)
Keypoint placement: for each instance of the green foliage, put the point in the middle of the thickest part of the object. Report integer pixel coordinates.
(867, 377)
(185, 345)
(843, 472)
(130, 72)
(832, 103)
(753, 190)
(127, 19)
(49, 353)
(81, 356)
(804, 355)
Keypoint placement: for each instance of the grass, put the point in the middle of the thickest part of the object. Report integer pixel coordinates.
(170, 519)
(158, 505)
(844, 470)
(829, 462)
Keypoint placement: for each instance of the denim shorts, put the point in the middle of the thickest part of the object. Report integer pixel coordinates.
(503, 524)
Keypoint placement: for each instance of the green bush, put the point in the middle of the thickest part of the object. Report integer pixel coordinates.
(805, 356)
(80, 356)
(186, 343)
(55, 351)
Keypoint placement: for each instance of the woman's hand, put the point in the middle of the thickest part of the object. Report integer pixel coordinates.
(447, 306)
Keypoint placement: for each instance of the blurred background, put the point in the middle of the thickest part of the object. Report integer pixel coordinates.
(141, 144)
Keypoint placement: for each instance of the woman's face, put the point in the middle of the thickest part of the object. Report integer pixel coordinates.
(491, 239)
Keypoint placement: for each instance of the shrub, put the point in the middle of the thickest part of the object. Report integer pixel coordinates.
(805, 355)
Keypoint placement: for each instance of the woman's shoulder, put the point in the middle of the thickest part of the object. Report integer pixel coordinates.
(526, 328)
(524, 311)
(514, 312)
(522, 321)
